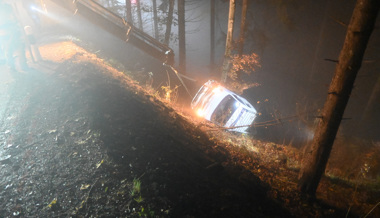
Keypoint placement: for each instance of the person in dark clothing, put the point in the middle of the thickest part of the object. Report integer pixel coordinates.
(11, 38)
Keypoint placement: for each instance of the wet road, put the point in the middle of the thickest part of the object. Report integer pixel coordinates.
(5, 81)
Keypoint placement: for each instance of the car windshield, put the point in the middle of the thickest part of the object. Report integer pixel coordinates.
(224, 111)
(204, 97)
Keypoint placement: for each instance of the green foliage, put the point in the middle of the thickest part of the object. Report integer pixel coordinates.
(146, 213)
(136, 187)
(139, 199)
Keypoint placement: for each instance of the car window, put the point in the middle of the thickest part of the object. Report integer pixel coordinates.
(224, 111)
(242, 101)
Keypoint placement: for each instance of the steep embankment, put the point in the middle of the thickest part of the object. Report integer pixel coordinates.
(79, 138)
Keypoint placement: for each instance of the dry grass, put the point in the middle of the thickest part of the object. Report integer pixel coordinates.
(60, 51)
(355, 161)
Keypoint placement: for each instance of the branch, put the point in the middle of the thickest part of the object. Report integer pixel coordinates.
(332, 60)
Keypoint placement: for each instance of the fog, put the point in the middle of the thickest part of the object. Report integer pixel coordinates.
(295, 41)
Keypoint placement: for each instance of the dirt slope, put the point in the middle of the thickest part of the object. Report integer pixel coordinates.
(79, 139)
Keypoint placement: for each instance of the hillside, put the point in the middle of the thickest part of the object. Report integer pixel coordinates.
(81, 139)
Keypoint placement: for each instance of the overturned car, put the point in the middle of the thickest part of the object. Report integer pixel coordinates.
(223, 107)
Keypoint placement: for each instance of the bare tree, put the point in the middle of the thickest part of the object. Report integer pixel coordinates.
(320, 40)
(169, 22)
(350, 58)
(182, 36)
(139, 17)
(212, 36)
(227, 55)
(155, 19)
(128, 8)
(243, 25)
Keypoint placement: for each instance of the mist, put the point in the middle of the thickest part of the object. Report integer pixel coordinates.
(297, 43)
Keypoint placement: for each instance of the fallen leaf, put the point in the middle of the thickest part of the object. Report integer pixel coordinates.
(83, 187)
(99, 164)
(52, 202)
(52, 131)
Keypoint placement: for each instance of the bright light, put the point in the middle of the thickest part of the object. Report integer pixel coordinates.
(237, 104)
(35, 8)
(133, 1)
(167, 95)
(200, 112)
(218, 89)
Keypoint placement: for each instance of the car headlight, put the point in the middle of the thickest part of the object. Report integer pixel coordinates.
(217, 89)
(200, 112)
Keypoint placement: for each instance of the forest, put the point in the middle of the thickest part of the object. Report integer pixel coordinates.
(110, 98)
(294, 44)
(282, 57)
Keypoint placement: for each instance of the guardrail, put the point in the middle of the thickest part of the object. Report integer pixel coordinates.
(117, 26)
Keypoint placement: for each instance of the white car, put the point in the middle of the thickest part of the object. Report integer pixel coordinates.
(223, 107)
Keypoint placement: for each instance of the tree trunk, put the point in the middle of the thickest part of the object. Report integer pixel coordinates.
(139, 15)
(227, 55)
(369, 115)
(320, 41)
(243, 25)
(169, 22)
(212, 37)
(182, 36)
(128, 8)
(155, 19)
(350, 58)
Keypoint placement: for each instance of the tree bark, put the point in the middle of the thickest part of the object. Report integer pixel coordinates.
(128, 8)
(155, 19)
(227, 55)
(212, 36)
(169, 22)
(139, 15)
(350, 58)
(243, 25)
(320, 41)
(182, 36)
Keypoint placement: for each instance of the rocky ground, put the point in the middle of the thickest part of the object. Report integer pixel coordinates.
(80, 139)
